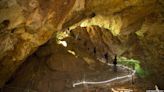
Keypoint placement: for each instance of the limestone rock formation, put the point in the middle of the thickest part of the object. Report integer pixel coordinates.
(135, 25)
(30, 23)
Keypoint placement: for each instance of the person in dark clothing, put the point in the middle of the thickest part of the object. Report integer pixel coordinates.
(94, 50)
(4, 25)
(106, 57)
(92, 15)
(6, 22)
(115, 64)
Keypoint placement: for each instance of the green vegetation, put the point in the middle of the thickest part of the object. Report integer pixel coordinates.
(1, 26)
(135, 64)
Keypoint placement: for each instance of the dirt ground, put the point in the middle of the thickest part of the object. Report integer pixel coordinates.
(53, 69)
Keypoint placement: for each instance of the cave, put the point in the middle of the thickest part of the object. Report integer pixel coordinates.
(81, 46)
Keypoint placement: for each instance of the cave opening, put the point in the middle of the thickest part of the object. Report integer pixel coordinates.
(81, 45)
(65, 63)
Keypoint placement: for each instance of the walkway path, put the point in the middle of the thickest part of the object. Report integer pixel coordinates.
(121, 78)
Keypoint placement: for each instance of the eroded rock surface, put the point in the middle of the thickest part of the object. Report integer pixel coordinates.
(30, 23)
(145, 44)
(27, 24)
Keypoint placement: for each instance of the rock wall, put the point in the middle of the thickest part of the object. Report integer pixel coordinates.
(115, 15)
(24, 26)
(99, 43)
(144, 44)
(27, 24)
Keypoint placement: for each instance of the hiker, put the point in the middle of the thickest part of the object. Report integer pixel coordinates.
(115, 64)
(106, 57)
(94, 50)
(4, 25)
(92, 15)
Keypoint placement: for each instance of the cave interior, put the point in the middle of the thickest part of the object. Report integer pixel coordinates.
(81, 45)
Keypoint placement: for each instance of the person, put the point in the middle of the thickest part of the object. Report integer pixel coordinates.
(4, 25)
(94, 50)
(106, 57)
(115, 64)
(92, 15)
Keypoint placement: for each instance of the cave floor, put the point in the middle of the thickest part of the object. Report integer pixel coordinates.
(58, 70)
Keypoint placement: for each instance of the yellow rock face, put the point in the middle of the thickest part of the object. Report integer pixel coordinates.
(31, 23)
